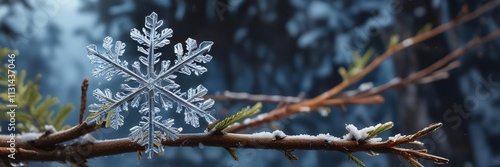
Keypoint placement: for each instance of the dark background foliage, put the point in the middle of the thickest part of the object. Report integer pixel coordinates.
(280, 48)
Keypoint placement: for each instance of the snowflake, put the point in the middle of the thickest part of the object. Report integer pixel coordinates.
(152, 86)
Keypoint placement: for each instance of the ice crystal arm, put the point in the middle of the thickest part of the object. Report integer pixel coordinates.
(141, 134)
(188, 59)
(191, 111)
(110, 106)
(109, 64)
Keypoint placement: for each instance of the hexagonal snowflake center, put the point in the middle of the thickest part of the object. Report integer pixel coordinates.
(151, 83)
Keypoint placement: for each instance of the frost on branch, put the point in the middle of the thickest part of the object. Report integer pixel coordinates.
(367, 133)
(155, 90)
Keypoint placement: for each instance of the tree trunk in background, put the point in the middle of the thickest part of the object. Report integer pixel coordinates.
(421, 105)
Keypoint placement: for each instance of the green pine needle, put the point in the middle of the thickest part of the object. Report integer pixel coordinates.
(32, 112)
(393, 41)
(61, 116)
(426, 28)
(290, 155)
(246, 112)
(359, 64)
(379, 128)
(355, 159)
(232, 152)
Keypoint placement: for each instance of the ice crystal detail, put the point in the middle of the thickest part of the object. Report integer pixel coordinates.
(154, 89)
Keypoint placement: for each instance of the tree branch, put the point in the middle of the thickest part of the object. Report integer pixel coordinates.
(65, 135)
(241, 96)
(80, 151)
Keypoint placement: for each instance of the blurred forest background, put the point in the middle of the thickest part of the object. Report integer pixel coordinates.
(280, 48)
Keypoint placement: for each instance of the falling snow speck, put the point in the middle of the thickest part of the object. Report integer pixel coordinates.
(157, 91)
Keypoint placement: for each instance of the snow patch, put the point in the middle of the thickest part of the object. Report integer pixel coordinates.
(263, 135)
(328, 138)
(261, 116)
(396, 137)
(356, 134)
(407, 42)
(353, 131)
(305, 109)
(278, 135)
(30, 136)
(235, 124)
(375, 139)
(304, 136)
(365, 86)
(49, 128)
(323, 112)
(247, 121)
(86, 139)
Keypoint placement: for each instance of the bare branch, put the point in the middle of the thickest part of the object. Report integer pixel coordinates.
(237, 96)
(364, 100)
(83, 100)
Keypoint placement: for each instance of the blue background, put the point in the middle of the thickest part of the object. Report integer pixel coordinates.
(280, 48)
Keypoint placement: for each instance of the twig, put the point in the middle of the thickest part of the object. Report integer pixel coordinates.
(411, 155)
(83, 100)
(227, 95)
(290, 99)
(397, 82)
(440, 74)
(63, 136)
(364, 100)
(415, 136)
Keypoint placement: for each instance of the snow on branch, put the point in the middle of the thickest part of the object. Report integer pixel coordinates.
(276, 140)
